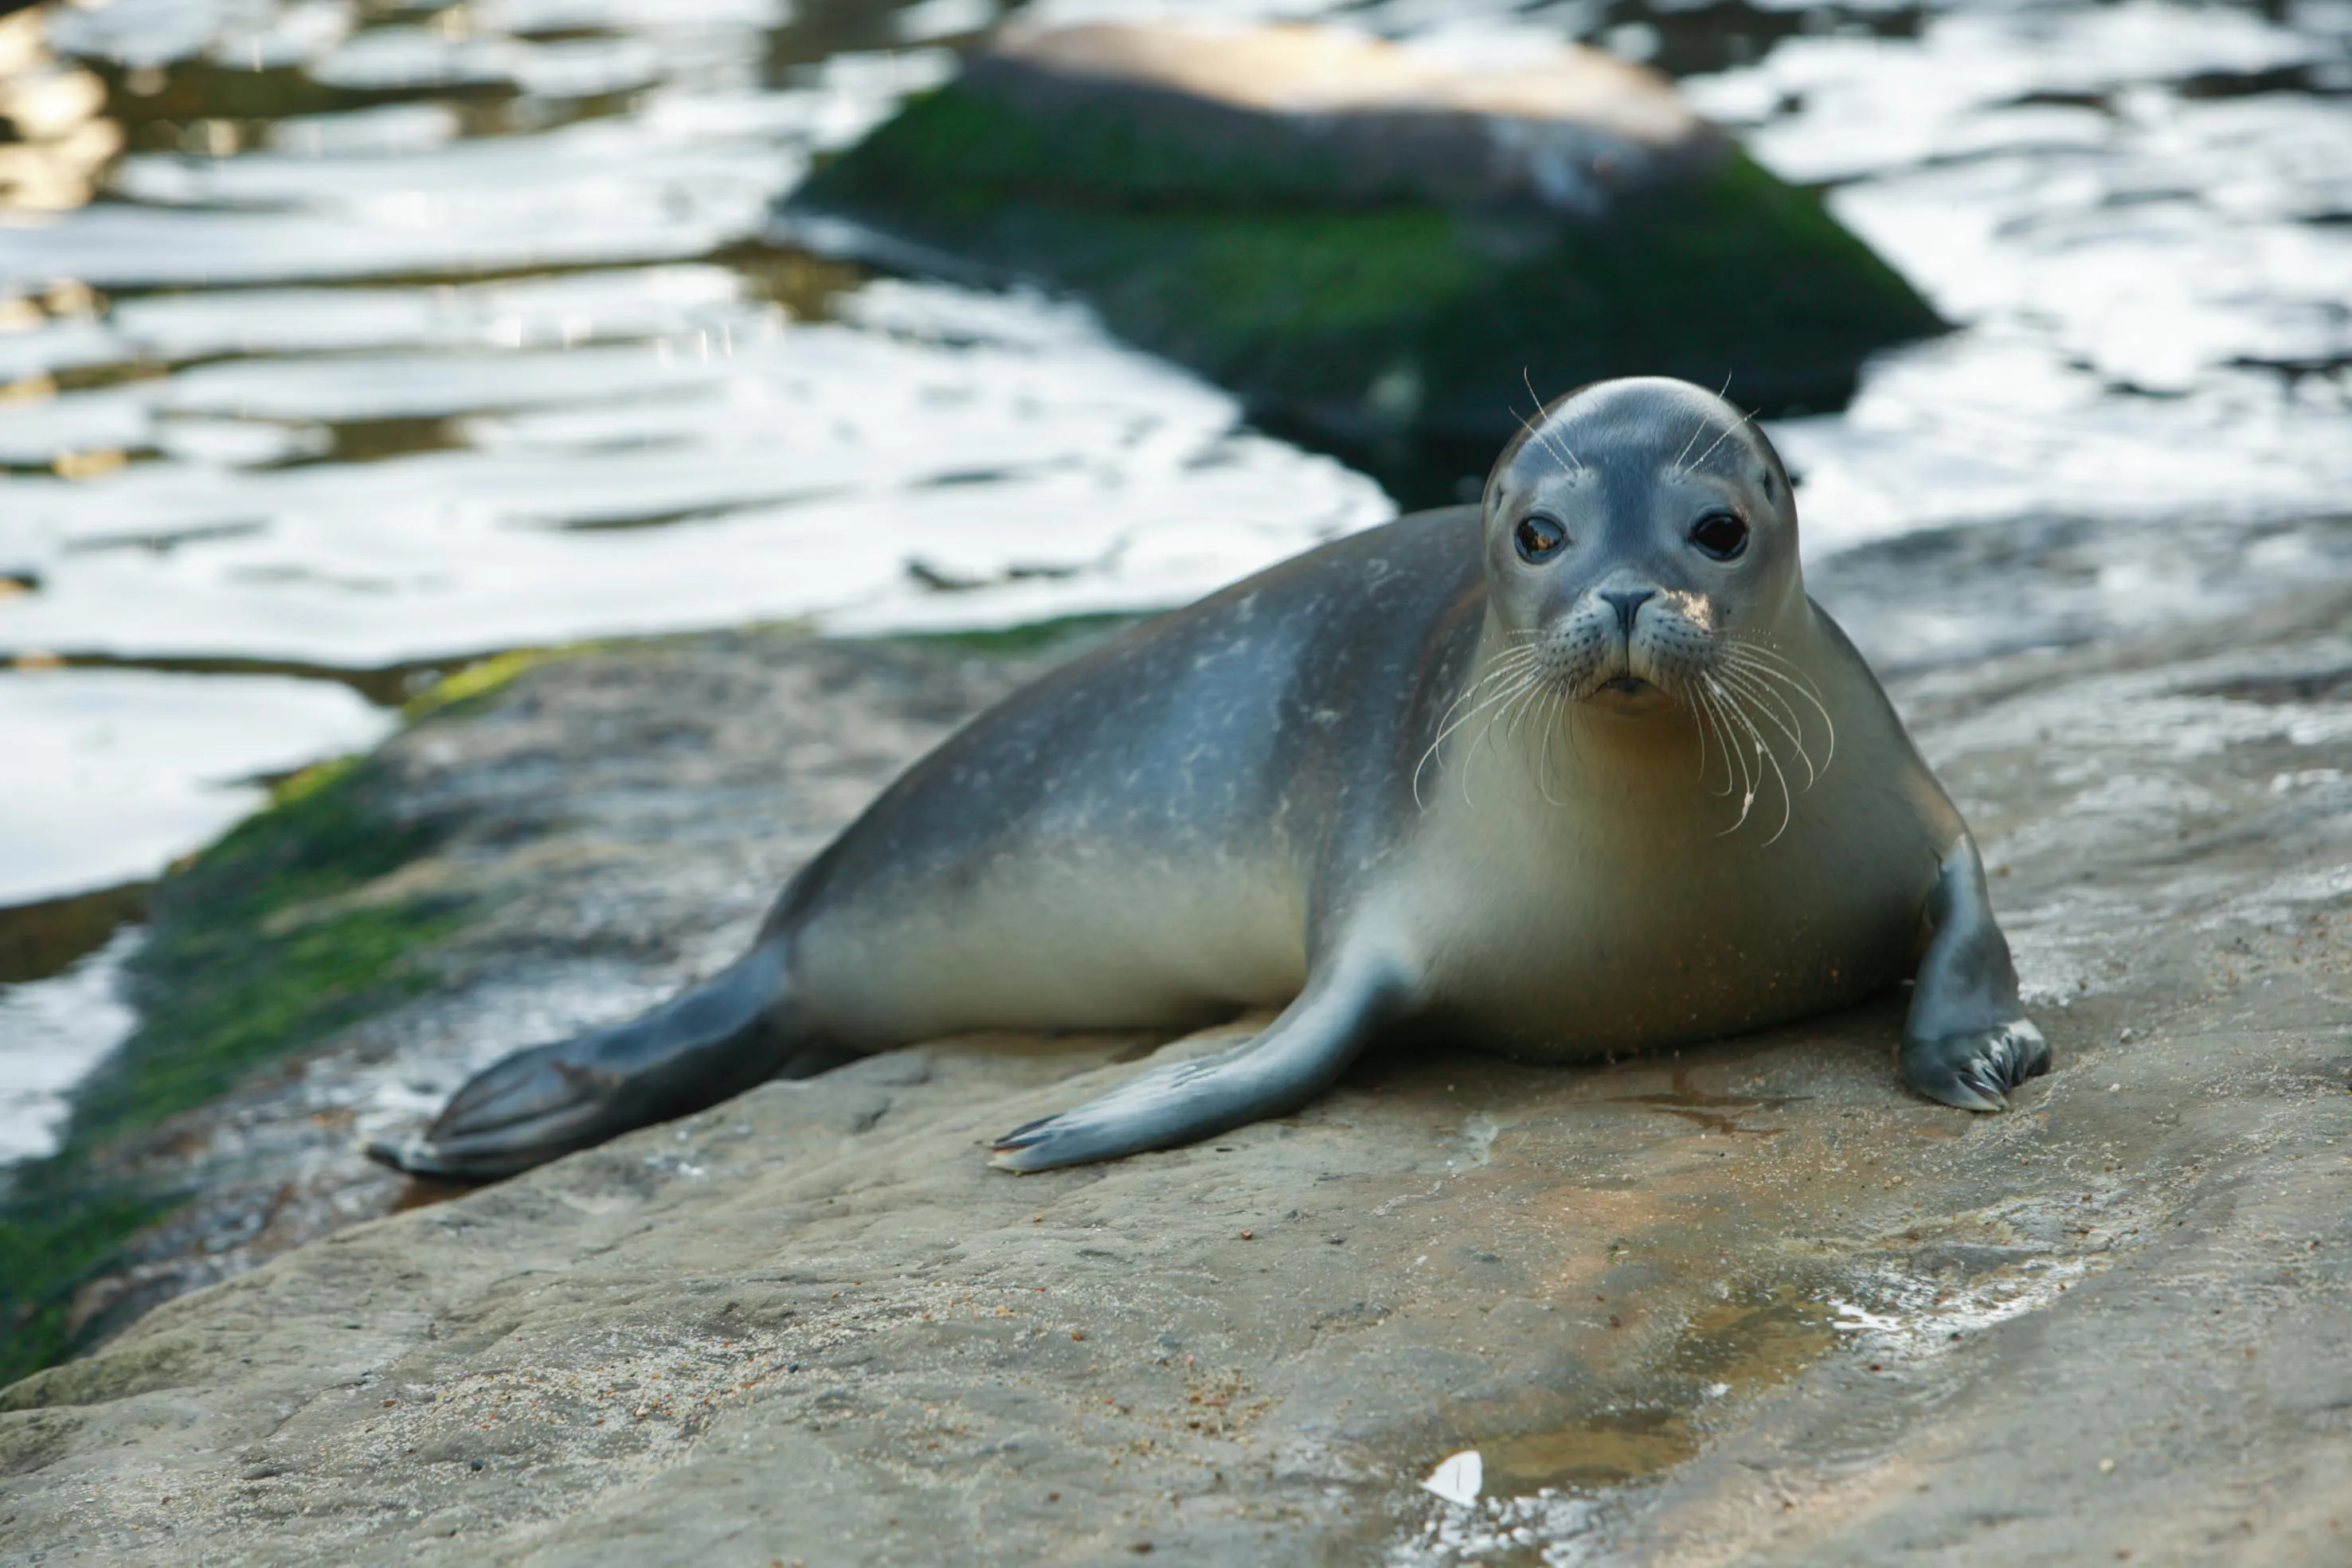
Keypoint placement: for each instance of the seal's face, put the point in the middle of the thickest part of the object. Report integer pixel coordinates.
(1640, 543)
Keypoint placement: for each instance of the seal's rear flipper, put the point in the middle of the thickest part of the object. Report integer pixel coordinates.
(1967, 1042)
(1294, 1060)
(699, 1047)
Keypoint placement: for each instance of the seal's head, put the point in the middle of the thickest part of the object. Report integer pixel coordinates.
(1638, 537)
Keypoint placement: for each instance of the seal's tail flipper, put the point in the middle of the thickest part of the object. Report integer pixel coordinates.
(1296, 1059)
(700, 1047)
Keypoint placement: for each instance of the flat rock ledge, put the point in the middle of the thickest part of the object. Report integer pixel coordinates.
(1750, 1303)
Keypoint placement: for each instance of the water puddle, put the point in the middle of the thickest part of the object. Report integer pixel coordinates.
(1546, 1495)
(1732, 1350)
(1536, 1497)
(1604, 1451)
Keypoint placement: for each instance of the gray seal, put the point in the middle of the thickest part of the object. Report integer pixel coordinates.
(1576, 771)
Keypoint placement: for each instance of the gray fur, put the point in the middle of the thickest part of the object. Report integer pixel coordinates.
(1625, 797)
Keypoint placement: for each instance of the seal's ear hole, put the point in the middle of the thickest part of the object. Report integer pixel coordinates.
(1539, 537)
(1720, 536)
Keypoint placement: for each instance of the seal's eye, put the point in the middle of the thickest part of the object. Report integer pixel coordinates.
(1539, 538)
(1720, 534)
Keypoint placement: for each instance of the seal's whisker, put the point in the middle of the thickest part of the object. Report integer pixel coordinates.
(1517, 714)
(1760, 685)
(1505, 665)
(1543, 441)
(1747, 779)
(1697, 430)
(1764, 755)
(1719, 440)
(1717, 704)
(1748, 646)
(1765, 656)
(1752, 750)
(1446, 732)
(1766, 701)
(1553, 442)
(1731, 745)
(1529, 682)
(1705, 712)
(1796, 681)
(1699, 726)
(1521, 694)
(1552, 726)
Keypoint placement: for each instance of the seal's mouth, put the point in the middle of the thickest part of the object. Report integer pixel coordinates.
(1627, 693)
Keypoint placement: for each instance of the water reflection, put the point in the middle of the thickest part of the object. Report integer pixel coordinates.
(535, 419)
(52, 1034)
(58, 139)
(88, 803)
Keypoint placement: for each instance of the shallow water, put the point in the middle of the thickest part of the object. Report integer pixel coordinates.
(342, 338)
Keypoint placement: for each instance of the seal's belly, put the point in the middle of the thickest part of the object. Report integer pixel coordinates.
(1104, 937)
(1628, 945)
(1669, 983)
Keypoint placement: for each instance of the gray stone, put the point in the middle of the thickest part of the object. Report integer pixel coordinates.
(1355, 118)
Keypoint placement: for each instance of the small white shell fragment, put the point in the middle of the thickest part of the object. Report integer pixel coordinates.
(1458, 1477)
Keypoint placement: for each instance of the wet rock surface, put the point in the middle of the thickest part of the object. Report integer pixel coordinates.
(1752, 1302)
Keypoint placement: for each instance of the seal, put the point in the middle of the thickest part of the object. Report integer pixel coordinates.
(1579, 770)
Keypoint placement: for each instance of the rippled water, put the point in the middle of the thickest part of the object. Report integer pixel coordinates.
(342, 337)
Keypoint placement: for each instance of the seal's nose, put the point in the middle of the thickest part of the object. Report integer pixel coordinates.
(1628, 603)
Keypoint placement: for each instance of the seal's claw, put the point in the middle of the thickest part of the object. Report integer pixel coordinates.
(1066, 1139)
(1975, 1071)
(519, 1113)
(1021, 1137)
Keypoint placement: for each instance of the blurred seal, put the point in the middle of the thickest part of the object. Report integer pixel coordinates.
(1577, 771)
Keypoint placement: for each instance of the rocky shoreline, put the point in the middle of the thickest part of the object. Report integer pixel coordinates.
(1752, 1303)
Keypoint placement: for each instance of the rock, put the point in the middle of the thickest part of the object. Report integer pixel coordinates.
(1753, 1302)
(1366, 241)
(1315, 115)
(388, 923)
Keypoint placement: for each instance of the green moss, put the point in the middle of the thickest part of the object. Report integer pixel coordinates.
(1369, 314)
(253, 953)
(966, 152)
(485, 677)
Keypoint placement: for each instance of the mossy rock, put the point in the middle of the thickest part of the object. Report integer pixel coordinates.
(253, 953)
(1357, 311)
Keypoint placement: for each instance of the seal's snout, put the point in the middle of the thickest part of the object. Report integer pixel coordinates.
(1627, 602)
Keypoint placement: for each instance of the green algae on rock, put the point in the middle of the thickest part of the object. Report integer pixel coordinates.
(1363, 243)
(257, 949)
(290, 927)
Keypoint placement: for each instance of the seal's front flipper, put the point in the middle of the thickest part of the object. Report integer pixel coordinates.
(699, 1047)
(1967, 1042)
(1297, 1057)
